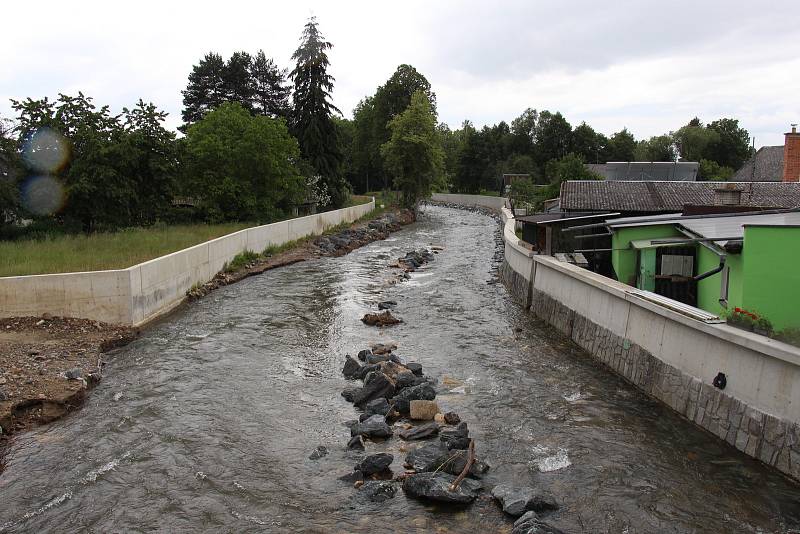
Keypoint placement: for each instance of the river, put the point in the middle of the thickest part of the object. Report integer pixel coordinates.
(206, 422)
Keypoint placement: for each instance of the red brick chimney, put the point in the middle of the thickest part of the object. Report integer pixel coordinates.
(791, 156)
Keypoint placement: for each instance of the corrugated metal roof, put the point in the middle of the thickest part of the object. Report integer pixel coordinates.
(733, 226)
(650, 197)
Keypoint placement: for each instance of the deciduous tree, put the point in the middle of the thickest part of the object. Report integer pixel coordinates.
(413, 153)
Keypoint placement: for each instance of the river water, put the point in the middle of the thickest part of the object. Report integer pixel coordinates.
(206, 422)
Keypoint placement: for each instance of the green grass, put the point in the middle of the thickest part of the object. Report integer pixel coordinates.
(117, 250)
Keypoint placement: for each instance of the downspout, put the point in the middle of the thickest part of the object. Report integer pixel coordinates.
(712, 272)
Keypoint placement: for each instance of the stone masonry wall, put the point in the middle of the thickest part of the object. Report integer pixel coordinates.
(516, 284)
(774, 441)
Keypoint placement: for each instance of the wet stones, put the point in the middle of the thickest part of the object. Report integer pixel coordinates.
(372, 427)
(436, 487)
(435, 457)
(374, 463)
(349, 394)
(377, 407)
(530, 523)
(518, 500)
(351, 369)
(387, 305)
(377, 491)
(381, 319)
(414, 368)
(455, 438)
(356, 443)
(425, 431)
(423, 410)
(402, 401)
(377, 385)
(452, 418)
(318, 453)
(362, 354)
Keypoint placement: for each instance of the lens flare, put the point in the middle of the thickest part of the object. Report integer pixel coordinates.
(46, 151)
(43, 195)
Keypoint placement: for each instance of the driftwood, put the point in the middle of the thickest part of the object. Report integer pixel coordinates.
(470, 460)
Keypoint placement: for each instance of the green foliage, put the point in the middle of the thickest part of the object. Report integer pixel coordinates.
(10, 173)
(117, 170)
(621, 146)
(371, 119)
(240, 261)
(713, 171)
(732, 147)
(255, 82)
(243, 167)
(311, 118)
(693, 140)
(552, 140)
(590, 145)
(658, 148)
(413, 153)
(523, 190)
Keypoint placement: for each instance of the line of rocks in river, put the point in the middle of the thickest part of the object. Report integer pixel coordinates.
(396, 398)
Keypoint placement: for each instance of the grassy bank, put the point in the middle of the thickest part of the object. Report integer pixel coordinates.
(117, 250)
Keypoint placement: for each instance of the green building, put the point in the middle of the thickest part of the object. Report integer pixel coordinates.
(715, 262)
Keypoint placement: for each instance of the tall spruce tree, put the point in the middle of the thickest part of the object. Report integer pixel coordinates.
(238, 82)
(311, 120)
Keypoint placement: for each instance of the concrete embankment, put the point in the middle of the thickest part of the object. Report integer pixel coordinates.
(668, 355)
(140, 293)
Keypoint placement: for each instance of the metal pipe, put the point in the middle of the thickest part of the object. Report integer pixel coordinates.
(587, 236)
(712, 272)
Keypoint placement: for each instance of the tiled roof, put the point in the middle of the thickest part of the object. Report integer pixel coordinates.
(650, 197)
(766, 165)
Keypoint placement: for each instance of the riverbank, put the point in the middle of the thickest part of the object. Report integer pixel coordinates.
(48, 364)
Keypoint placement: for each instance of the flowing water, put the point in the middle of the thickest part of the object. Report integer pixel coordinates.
(206, 422)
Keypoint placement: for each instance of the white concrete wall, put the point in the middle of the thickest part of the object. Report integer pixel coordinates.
(495, 203)
(763, 373)
(138, 294)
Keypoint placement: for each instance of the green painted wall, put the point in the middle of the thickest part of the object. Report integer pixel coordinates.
(623, 258)
(709, 290)
(772, 274)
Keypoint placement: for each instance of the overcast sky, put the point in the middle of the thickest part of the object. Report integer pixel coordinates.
(649, 66)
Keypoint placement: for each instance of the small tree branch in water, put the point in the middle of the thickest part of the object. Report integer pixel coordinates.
(470, 460)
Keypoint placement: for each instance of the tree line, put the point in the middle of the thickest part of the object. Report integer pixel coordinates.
(259, 139)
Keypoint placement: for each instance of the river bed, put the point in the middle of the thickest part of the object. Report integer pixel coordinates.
(206, 422)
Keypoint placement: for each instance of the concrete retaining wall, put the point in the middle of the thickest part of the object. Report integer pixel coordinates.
(670, 356)
(495, 203)
(140, 293)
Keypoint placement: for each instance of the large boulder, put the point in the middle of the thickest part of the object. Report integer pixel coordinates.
(351, 369)
(415, 368)
(349, 394)
(406, 379)
(530, 523)
(374, 463)
(436, 457)
(518, 500)
(402, 401)
(374, 427)
(362, 354)
(378, 386)
(436, 487)
(419, 432)
(377, 358)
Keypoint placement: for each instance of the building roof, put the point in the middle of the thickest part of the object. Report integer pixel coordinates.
(682, 171)
(655, 197)
(562, 216)
(766, 165)
(729, 226)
